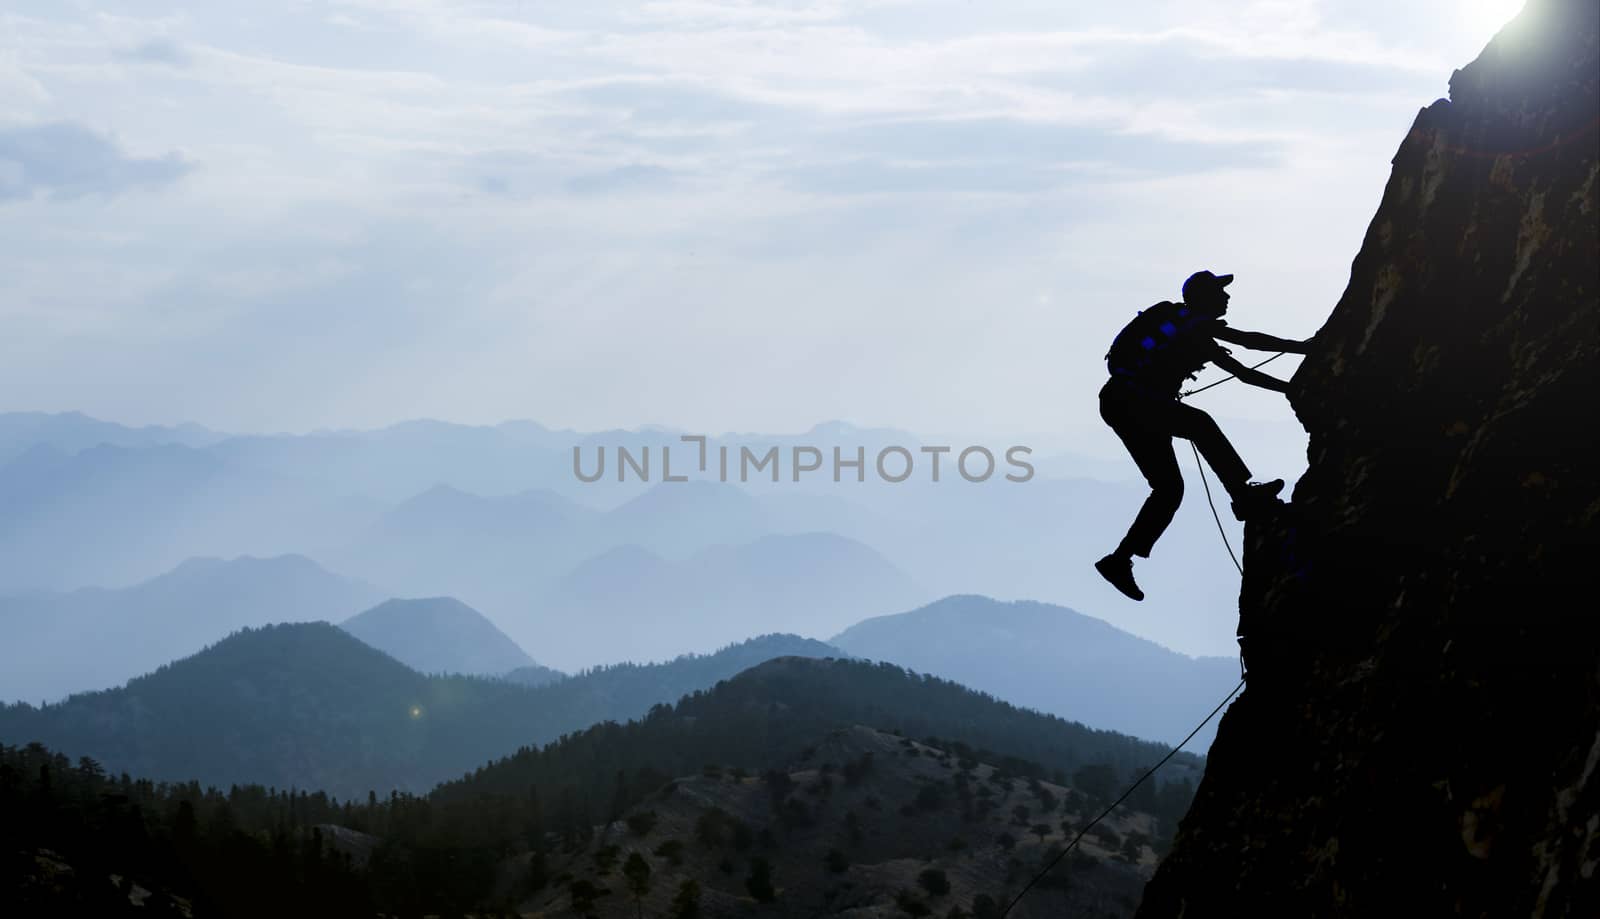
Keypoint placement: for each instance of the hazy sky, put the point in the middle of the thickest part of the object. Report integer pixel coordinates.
(710, 214)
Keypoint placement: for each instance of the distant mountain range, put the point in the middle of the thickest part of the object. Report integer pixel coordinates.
(630, 604)
(494, 517)
(1055, 660)
(438, 635)
(52, 644)
(70, 432)
(112, 516)
(526, 559)
(491, 551)
(685, 566)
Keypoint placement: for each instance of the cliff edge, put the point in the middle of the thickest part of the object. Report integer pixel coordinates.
(1420, 735)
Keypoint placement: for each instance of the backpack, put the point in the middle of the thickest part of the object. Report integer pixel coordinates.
(1161, 346)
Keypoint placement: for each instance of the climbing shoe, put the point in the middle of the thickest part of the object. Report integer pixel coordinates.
(1119, 571)
(1255, 496)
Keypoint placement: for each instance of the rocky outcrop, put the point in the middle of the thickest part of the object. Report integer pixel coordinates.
(1420, 735)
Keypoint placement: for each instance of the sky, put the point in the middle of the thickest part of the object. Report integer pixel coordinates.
(709, 214)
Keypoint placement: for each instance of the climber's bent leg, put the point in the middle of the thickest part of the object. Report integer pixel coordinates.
(1198, 428)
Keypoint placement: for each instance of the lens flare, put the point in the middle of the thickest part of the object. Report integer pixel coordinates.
(1489, 16)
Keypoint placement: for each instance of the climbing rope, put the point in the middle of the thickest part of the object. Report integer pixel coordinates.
(1221, 531)
(1149, 772)
(1214, 515)
(1202, 469)
(1189, 392)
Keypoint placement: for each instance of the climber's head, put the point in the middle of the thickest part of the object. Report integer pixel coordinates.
(1204, 292)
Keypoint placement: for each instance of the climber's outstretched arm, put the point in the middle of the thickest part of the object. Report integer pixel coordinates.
(1260, 341)
(1253, 377)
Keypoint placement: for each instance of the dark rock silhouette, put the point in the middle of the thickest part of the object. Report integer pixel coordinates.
(1421, 731)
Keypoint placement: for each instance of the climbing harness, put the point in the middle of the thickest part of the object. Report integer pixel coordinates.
(1235, 691)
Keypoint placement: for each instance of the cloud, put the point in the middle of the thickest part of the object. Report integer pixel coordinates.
(522, 175)
(664, 102)
(64, 159)
(587, 181)
(507, 173)
(861, 176)
(22, 92)
(1006, 156)
(159, 51)
(1179, 68)
(633, 177)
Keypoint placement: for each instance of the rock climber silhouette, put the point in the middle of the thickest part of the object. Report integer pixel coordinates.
(1149, 360)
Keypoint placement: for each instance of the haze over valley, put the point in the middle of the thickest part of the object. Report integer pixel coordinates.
(710, 460)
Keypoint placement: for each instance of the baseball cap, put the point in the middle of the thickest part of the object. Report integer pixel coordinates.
(1203, 282)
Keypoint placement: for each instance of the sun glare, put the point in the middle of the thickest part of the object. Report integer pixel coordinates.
(1489, 16)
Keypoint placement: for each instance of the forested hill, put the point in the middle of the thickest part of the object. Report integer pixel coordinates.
(308, 706)
(304, 705)
(861, 824)
(898, 816)
(309, 700)
(619, 692)
(767, 714)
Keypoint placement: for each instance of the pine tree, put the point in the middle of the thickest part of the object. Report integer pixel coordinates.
(637, 872)
(759, 883)
(686, 904)
(533, 820)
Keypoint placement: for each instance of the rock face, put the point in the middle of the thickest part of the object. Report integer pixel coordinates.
(1421, 731)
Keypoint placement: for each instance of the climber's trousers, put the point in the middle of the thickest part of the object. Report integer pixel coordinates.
(1146, 424)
